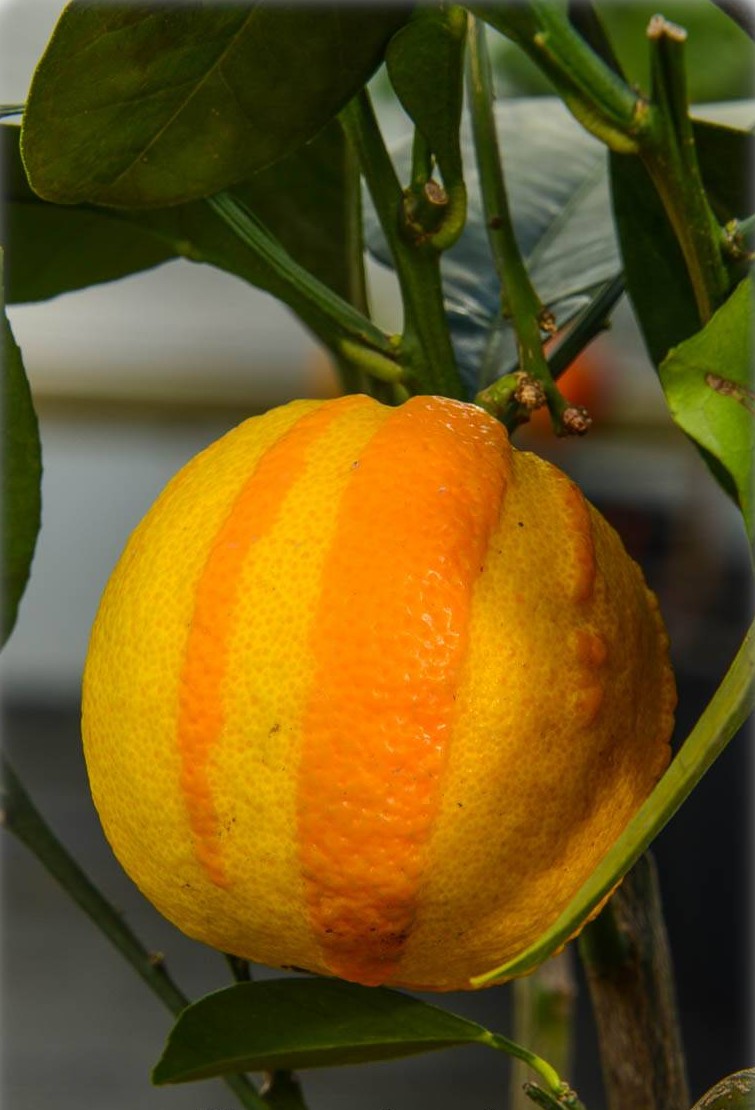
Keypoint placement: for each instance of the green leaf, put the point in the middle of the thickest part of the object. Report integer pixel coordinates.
(708, 385)
(425, 62)
(308, 200)
(735, 1092)
(655, 272)
(22, 473)
(51, 249)
(147, 105)
(304, 1023)
(722, 718)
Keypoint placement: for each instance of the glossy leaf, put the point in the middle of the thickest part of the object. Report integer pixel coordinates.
(655, 272)
(708, 385)
(308, 200)
(425, 62)
(147, 105)
(304, 1023)
(735, 1092)
(21, 476)
(558, 194)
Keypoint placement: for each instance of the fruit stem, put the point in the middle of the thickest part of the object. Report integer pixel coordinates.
(425, 348)
(720, 721)
(627, 960)
(519, 299)
(21, 817)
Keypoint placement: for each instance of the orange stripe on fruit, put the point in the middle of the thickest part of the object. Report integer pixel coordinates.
(389, 640)
(200, 707)
(580, 551)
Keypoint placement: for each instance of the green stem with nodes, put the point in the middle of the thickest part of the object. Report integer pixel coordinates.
(660, 132)
(519, 300)
(603, 103)
(351, 335)
(21, 817)
(670, 157)
(426, 352)
(722, 718)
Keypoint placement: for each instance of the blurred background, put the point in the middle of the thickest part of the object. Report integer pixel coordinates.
(131, 380)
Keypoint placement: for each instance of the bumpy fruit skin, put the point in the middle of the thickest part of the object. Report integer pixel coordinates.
(370, 693)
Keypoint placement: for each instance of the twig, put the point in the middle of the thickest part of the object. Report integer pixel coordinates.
(627, 960)
(534, 384)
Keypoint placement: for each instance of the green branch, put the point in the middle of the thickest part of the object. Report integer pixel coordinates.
(602, 102)
(514, 395)
(20, 817)
(670, 157)
(659, 131)
(425, 350)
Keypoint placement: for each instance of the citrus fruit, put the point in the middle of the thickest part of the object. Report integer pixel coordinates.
(370, 693)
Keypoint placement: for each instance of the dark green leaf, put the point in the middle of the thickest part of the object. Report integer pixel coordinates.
(735, 1092)
(425, 62)
(154, 104)
(304, 1023)
(307, 200)
(22, 472)
(53, 249)
(708, 385)
(655, 271)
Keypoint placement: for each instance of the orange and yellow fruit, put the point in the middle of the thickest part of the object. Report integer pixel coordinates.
(370, 693)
